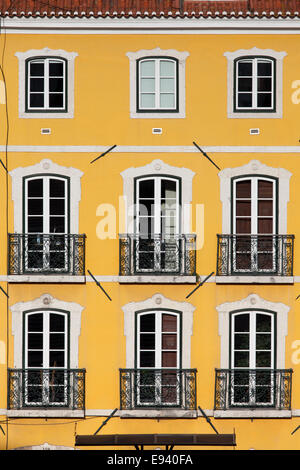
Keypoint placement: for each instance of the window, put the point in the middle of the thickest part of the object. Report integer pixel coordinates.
(253, 220)
(45, 358)
(254, 237)
(252, 370)
(45, 238)
(157, 83)
(158, 238)
(252, 358)
(46, 84)
(45, 376)
(157, 355)
(254, 83)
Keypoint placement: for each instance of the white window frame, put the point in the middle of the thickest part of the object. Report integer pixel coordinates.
(46, 167)
(158, 353)
(157, 91)
(252, 302)
(46, 61)
(46, 347)
(134, 59)
(46, 301)
(254, 52)
(46, 53)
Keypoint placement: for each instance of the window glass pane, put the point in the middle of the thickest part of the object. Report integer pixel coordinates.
(265, 225)
(146, 188)
(265, 189)
(243, 225)
(57, 188)
(263, 359)
(167, 68)
(35, 341)
(265, 208)
(56, 68)
(35, 188)
(57, 206)
(35, 224)
(243, 189)
(147, 322)
(167, 85)
(264, 84)
(168, 189)
(147, 68)
(169, 359)
(57, 224)
(36, 69)
(241, 322)
(245, 68)
(36, 84)
(169, 341)
(57, 322)
(147, 341)
(147, 100)
(244, 100)
(241, 359)
(167, 101)
(35, 322)
(56, 100)
(245, 84)
(264, 68)
(169, 322)
(264, 100)
(263, 341)
(263, 322)
(147, 359)
(36, 100)
(243, 208)
(35, 359)
(241, 341)
(147, 85)
(57, 341)
(35, 206)
(56, 84)
(57, 359)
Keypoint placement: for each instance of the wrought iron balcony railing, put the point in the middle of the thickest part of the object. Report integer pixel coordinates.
(158, 388)
(253, 388)
(157, 254)
(255, 255)
(39, 253)
(46, 388)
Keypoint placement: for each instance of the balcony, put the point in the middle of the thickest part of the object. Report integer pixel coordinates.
(46, 389)
(253, 389)
(54, 255)
(158, 389)
(157, 259)
(255, 258)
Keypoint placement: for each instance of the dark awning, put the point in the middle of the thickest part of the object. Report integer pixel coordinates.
(156, 439)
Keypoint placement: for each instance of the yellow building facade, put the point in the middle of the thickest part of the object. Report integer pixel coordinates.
(149, 263)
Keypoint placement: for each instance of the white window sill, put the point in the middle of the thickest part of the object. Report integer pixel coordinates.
(47, 279)
(169, 413)
(157, 115)
(254, 115)
(257, 413)
(46, 115)
(45, 413)
(254, 279)
(157, 279)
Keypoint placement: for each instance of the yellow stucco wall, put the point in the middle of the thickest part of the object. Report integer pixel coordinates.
(102, 118)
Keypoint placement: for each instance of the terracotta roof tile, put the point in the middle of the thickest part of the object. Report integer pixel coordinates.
(146, 8)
